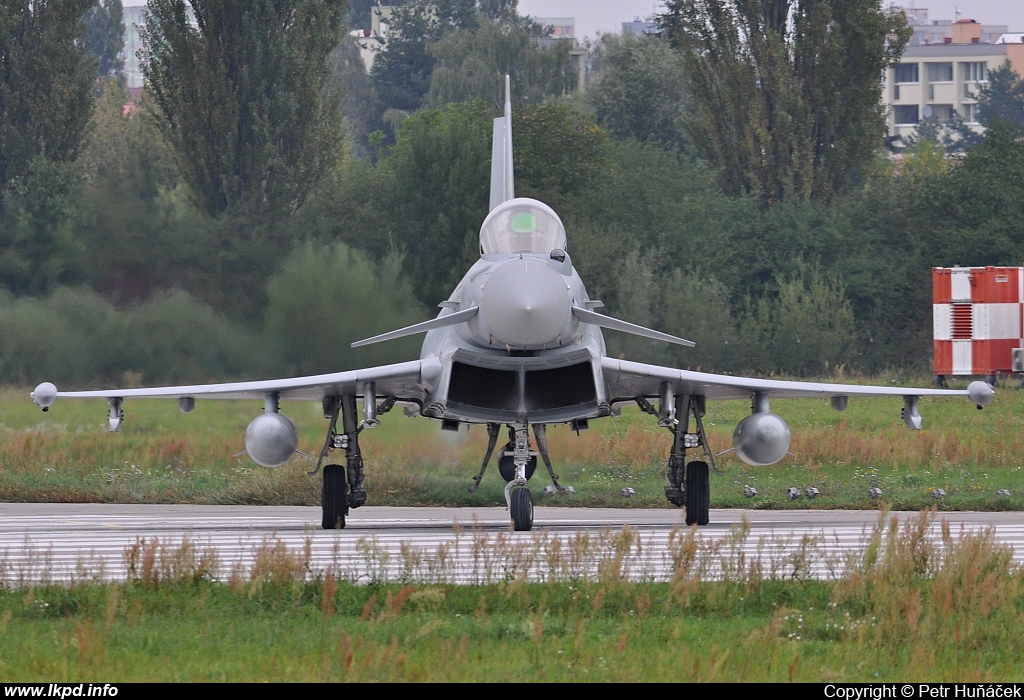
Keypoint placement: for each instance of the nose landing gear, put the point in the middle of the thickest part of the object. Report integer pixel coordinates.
(517, 464)
(517, 494)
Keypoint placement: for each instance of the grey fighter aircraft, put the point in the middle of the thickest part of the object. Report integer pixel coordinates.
(518, 343)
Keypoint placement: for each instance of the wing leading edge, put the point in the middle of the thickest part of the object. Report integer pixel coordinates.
(404, 380)
(626, 380)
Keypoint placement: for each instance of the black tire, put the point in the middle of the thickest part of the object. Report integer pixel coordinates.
(522, 510)
(507, 465)
(697, 493)
(335, 498)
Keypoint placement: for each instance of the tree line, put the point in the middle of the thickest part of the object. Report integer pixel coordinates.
(267, 201)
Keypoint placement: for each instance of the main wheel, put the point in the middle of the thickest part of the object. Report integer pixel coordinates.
(697, 493)
(522, 510)
(335, 500)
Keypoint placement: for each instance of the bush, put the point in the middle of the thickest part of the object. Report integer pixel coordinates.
(806, 327)
(76, 337)
(326, 297)
(696, 307)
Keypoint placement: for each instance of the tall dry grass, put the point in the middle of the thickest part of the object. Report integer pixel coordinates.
(164, 456)
(921, 600)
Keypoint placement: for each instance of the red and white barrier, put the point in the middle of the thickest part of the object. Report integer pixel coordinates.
(978, 317)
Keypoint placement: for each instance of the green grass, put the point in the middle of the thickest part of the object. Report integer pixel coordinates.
(908, 607)
(164, 456)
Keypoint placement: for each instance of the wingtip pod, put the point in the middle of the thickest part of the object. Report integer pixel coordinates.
(980, 393)
(44, 395)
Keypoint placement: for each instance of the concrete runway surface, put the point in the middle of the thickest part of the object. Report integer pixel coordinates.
(69, 542)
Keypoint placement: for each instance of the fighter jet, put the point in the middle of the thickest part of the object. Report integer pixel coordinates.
(518, 343)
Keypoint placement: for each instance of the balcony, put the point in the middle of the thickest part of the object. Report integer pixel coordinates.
(941, 92)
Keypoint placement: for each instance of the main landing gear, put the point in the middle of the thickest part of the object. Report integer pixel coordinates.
(689, 483)
(345, 486)
(516, 464)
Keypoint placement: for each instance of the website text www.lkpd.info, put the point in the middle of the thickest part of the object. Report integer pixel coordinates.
(60, 690)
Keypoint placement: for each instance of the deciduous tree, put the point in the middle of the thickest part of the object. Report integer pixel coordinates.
(401, 73)
(638, 90)
(1002, 97)
(244, 97)
(500, 10)
(473, 65)
(357, 13)
(437, 175)
(787, 95)
(558, 152)
(104, 37)
(45, 105)
(45, 81)
(360, 106)
(360, 299)
(977, 207)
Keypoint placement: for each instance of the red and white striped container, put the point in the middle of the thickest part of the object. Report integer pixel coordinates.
(978, 317)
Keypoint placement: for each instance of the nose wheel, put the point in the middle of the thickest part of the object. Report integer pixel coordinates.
(522, 510)
(517, 494)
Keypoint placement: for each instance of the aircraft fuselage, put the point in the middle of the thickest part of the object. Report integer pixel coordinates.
(524, 356)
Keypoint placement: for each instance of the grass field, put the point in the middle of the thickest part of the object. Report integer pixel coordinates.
(908, 607)
(164, 456)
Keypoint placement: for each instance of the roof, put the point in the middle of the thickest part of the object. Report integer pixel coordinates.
(954, 50)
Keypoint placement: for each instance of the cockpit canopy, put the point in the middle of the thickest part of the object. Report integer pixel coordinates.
(522, 226)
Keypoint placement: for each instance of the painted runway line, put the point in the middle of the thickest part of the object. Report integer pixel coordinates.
(75, 544)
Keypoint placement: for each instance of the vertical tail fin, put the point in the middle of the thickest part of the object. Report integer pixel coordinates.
(502, 178)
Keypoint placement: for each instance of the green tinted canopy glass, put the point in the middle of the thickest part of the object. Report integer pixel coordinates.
(523, 222)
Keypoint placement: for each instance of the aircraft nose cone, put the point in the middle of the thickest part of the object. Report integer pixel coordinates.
(525, 304)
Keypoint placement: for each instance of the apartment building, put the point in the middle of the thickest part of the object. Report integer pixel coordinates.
(938, 79)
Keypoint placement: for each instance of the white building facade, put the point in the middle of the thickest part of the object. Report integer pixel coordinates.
(943, 79)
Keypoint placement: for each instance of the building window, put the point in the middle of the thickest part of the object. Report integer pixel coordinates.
(970, 113)
(907, 73)
(976, 72)
(906, 114)
(940, 72)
